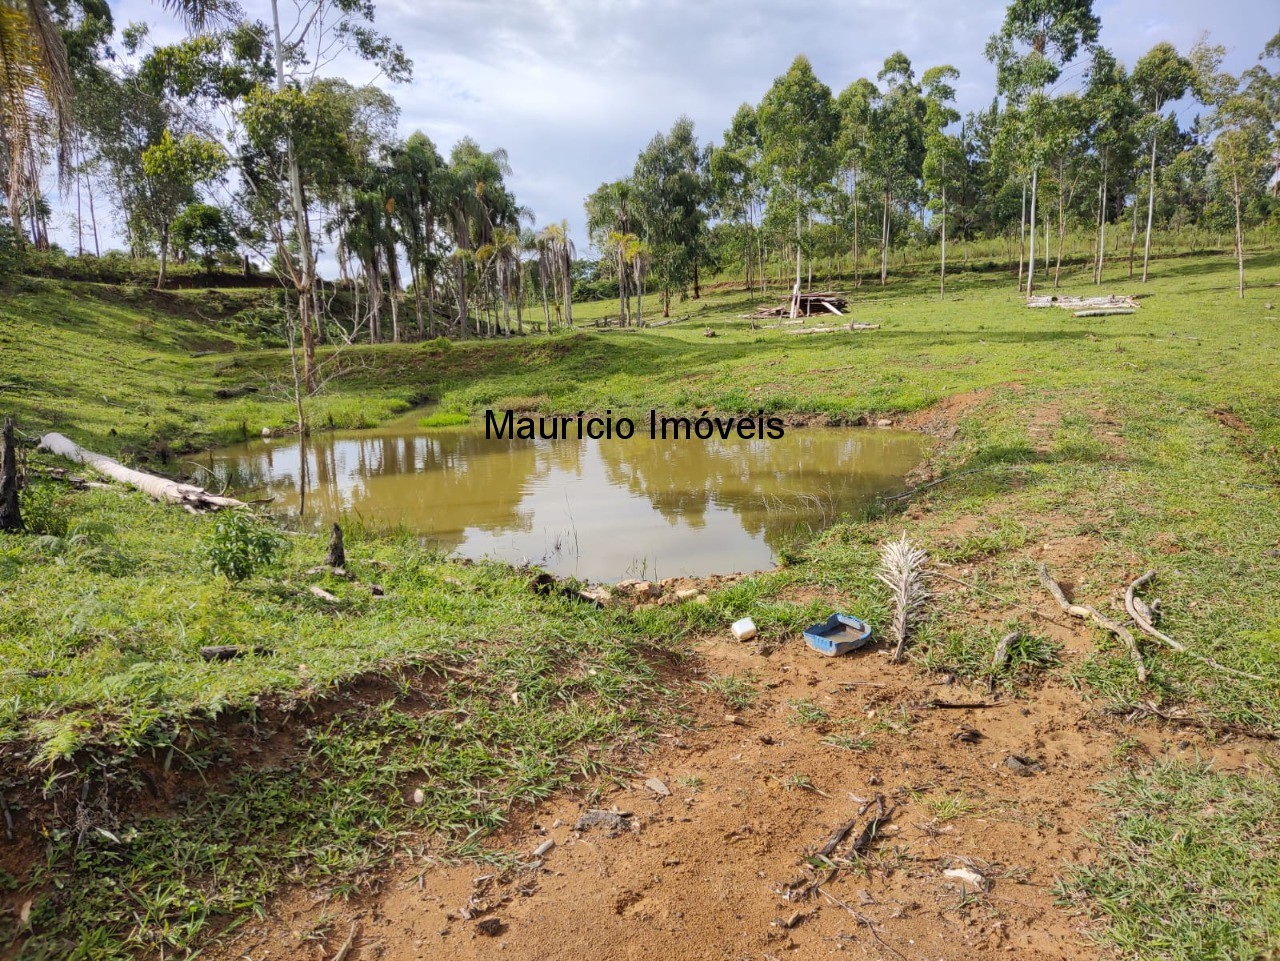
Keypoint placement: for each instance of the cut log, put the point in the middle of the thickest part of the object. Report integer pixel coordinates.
(193, 498)
(1105, 312)
(1111, 302)
(831, 330)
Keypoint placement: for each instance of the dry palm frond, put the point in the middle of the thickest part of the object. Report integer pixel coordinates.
(35, 95)
(902, 569)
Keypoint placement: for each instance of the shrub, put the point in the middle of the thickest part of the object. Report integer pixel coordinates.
(241, 544)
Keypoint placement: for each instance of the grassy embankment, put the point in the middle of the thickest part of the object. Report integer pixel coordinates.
(1150, 439)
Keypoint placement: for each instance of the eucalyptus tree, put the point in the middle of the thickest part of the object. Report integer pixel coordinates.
(896, 155)
(1160, 77)
(174, 169)
(1110, 113)
(1065, 150)
(294, 121)
(668, 189)
(1244, 121)
(1036, 40)
(855, 105)
(944, 152)
(736, 188)
(798, 123)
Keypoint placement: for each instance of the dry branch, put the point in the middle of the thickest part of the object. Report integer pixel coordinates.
(1089, 613)
(193, 498)
(1141, 615)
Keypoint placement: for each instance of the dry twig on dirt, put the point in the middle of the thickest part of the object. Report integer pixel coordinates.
(1142, 616)
(1089, 613)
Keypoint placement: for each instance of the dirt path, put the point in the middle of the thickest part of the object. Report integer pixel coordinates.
(703, 873)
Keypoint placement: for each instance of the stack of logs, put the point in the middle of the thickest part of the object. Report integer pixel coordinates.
(817, 302)
(1088, 306)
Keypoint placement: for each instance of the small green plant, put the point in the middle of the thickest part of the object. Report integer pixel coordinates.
(241, 544)
(948, 807)
(44, 510)
(847, 742)
(799, 782)
(806, 712)
(737, 690)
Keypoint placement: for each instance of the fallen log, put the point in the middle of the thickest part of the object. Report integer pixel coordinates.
(1114, 301)
(832, 330)
(1088, 613)
(193, 498)
(1105, 312)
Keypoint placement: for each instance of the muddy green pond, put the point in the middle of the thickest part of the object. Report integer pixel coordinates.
(599, 510)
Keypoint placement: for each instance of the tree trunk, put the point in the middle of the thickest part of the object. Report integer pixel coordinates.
(1062, 223)
(1031, 258)
(10, 512)
(884, 242)
(520, 296)
(415, 276)
(1151, 202)
(302, 226)
(1102, 226)
(857, 261)
(1133, 235)
(164, 257)
(795, 290)
(942, 279)
(161, 488)
(1022, 235)
(639, 295)
(568, 283)
(1239, 234)
(93, 217)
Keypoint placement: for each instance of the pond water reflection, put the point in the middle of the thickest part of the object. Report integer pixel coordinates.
(600, 510)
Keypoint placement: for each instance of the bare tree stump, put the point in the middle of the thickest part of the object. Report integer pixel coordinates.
(10, 514)
(337, 556)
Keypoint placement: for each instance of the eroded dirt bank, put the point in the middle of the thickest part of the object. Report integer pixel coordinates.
(711, 870)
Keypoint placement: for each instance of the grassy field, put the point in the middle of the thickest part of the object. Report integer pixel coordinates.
(1150, 441)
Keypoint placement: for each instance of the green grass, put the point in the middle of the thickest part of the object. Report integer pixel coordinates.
(444, 419)
(1150, 441)
(1189, 866)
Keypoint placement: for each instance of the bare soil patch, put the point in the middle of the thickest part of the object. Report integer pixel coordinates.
(702, 871)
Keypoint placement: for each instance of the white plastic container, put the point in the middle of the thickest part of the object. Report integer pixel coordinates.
(744, 629)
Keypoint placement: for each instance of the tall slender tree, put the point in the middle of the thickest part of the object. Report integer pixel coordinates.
(1162, 76)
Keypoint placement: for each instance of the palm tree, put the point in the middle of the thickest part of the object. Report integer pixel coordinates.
(36, 91)
(35, 95)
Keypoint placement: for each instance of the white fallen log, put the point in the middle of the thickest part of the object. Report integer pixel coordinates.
(189, 496)
(1083, 303)
(832, 330)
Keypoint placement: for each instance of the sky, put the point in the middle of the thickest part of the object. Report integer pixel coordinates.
(574, 89)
